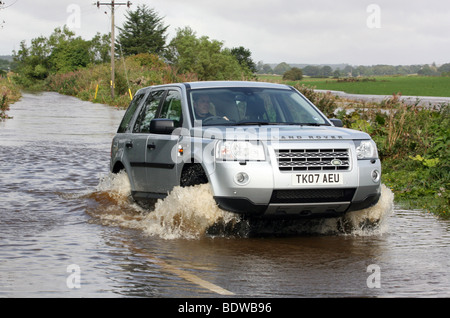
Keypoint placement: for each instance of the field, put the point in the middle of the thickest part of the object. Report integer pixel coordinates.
(379, 85)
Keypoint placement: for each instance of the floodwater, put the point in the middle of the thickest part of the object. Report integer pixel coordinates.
(69, 229)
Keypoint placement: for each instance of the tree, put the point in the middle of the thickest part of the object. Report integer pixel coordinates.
(294, 74)
(182, 50)
(326, 71)
(59, 53)
(311, 70)
(262, 68)
(70, 55)
(428, 70)
(281, 68)
(207, 58)
(143, 32)
(33, 62)
(444, 69)
(337, 73)
(67, 52)
(100, 49)
(243, 56)
(267, 69)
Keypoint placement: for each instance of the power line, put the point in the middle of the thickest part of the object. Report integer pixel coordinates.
(112, 4)
(2, 3)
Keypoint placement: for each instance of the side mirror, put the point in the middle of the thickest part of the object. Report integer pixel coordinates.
(337, 122)
(162, 126)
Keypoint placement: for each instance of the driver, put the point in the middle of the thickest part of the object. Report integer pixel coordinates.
(201, 107)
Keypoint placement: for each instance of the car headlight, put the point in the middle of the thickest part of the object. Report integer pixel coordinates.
(366, 149)
(240, 151)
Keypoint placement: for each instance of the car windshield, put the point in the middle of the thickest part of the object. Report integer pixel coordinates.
(252, 106)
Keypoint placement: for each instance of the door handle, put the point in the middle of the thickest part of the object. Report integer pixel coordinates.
(151, 146)
(129, 144)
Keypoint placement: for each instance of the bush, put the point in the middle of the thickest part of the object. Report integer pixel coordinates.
(413, 144)
(294, 74)
(141, 70)
(9, 93)
(326, 102)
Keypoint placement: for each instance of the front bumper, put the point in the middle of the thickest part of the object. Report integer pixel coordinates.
(296, 210)
(269, 192)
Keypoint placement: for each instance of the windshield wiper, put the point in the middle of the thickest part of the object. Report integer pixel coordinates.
(251, 122)
(256, 122)
(286, 123)
(296, 124)
(311, 124)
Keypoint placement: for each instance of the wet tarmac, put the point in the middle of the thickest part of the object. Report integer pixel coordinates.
(69, 229)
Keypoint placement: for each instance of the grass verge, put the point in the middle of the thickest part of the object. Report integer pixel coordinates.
(413, 144)
(9, 93)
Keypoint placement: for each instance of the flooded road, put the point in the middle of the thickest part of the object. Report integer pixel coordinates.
(69, 229)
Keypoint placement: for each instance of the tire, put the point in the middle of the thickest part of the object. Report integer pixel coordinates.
(193, 174)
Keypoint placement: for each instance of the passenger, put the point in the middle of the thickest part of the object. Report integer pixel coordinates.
(201, 107)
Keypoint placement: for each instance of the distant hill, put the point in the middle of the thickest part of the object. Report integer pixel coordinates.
(5, 63)
(333, 66)
(8, 58)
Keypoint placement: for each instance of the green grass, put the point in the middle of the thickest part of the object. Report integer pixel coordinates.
(9, 93)
(381, 85)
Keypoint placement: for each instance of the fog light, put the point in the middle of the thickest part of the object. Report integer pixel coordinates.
(376, 175)
(241, 178)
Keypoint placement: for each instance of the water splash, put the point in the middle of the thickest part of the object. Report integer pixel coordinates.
(111, 203)
(192, 213)
(371, 220)
(186, 213)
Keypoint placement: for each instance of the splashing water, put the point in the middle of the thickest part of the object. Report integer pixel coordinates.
(371, 220)
(185, 213)
(367, 222)
(192, 213)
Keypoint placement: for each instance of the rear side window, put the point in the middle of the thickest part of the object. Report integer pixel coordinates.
(130, 112)
(148, 112)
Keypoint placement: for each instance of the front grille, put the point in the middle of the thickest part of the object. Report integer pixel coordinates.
(313, 159)
(312, 195)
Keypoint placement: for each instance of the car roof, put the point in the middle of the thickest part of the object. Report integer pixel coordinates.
(218, 84)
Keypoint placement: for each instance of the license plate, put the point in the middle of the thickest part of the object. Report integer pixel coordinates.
(317, 179)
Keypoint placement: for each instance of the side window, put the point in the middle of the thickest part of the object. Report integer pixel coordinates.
(130, 112)
(171, 108)
(148, 112)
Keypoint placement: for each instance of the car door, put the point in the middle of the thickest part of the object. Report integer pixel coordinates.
(162, 172)
(136, 145)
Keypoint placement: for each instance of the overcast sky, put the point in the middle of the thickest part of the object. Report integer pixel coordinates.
(357, 32)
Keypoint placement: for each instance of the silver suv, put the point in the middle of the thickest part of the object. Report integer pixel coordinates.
(264, 149)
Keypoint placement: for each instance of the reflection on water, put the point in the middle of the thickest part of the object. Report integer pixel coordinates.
(61, 207)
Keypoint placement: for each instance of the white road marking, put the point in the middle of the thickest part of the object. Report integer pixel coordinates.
(182, 273)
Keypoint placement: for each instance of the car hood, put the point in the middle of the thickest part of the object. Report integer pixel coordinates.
(280, 133)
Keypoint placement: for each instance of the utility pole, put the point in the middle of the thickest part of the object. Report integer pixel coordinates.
(112, 4)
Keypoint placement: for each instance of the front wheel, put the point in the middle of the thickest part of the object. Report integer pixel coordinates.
(193, 174)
